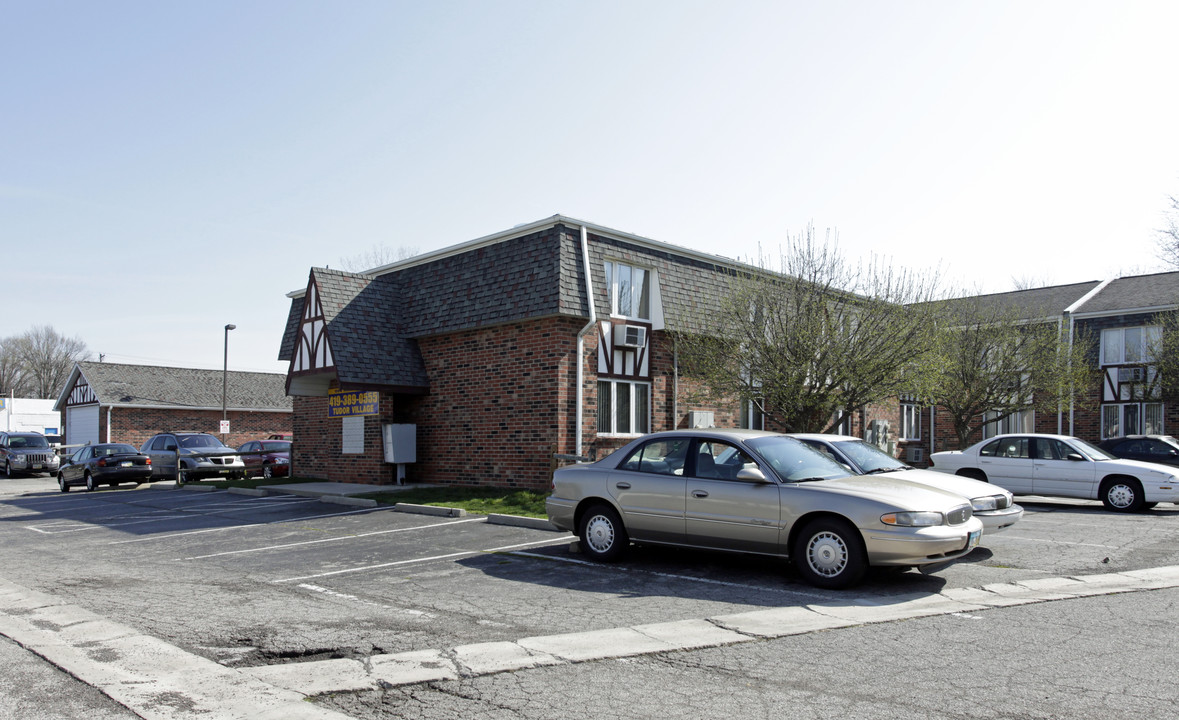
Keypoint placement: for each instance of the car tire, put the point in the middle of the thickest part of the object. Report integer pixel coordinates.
(62, 484)
(91, 486)
(973, 474)
(267, 471)
(829, 553)
(182, 476)
(603, 537)
(8, 469)
(1122, 494)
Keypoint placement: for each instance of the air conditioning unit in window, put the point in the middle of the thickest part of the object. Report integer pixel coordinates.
(914, 455)
(1131, 374)
(633, 336)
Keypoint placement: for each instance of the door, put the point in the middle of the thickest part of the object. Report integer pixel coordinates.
(163, 457)
(649, 487)
(1007, 462)
(1058, 475)
(82, 425)
(724, 512)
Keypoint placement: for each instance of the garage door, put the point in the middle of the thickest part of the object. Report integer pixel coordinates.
(82, 425)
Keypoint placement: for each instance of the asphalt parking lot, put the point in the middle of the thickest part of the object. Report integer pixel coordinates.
(262, 582)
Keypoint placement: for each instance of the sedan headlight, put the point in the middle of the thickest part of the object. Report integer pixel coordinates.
(981, 504)
(281, 461)
(912, 519)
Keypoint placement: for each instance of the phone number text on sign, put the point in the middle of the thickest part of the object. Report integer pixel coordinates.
(348, 403)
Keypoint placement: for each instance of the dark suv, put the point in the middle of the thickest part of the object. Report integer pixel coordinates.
(201, 456)
(26, 452)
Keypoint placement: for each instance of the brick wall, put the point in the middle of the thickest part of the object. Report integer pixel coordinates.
(136, 425)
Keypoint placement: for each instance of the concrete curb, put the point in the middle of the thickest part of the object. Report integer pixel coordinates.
(253, 492)
(345, 500)
(430, 510)
(197, 488)
(521, 521)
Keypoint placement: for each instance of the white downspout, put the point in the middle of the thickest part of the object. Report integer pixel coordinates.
(108, 423)
(593, 322)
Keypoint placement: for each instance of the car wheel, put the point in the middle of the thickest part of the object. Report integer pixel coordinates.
(1122, 495)
(602, 534)
(90, 484)
(973, 474)
(62, 484)
(8, 469)
(182, 476)
(267, 471)
(829, 553)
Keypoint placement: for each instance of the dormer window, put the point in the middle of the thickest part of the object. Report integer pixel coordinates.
(630, 290)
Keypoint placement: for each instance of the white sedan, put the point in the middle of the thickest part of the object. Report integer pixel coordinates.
(992, 505)
(1062, 466)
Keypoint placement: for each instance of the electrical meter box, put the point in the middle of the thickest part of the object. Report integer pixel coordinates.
(401, 443)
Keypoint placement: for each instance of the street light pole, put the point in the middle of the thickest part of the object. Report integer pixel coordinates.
(225, 376)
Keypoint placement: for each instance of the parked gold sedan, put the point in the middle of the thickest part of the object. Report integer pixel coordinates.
(758, 492)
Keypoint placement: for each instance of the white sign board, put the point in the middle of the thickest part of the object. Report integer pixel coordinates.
(352, 443)
(224, 427)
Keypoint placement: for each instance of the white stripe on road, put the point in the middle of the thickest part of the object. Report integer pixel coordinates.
(333, 539)
(247, 525)
(448, 556)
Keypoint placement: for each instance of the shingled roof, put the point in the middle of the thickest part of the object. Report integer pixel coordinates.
(116, 384)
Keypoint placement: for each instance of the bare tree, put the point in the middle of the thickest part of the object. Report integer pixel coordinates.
(817, 338)
(46, 360)
(375, 257)
(993, 364)
(12, 381)
(1169, 236)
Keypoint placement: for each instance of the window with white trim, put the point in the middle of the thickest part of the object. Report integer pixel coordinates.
(630, 290)
(624, 408)
(1019, 422)
(752, 417)
(1121, 346)
(910, 421)
(1131, 419)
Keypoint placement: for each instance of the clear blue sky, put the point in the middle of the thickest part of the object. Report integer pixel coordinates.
(170, 167)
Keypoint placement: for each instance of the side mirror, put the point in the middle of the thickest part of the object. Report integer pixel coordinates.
(752, 474)
(1075, 457)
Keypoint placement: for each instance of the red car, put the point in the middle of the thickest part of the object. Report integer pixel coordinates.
(268, 458)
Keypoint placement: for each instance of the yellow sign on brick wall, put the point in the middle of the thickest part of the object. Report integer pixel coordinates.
(350, 403)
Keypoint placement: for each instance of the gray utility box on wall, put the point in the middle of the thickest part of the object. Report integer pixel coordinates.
(401, 446)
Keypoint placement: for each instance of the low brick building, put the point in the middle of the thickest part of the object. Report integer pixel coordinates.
(506, 355)
(114, 402)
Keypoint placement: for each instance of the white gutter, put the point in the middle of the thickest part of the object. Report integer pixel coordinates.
(108, 423)
(1071, 311)
(593, 322)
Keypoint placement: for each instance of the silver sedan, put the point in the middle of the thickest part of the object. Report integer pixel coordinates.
(758, 492)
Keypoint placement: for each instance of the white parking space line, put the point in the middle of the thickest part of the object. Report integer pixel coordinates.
(243, 526)
(1055, 542)
(672, 576)
(82, 527)
(449, 556)
(355, 536)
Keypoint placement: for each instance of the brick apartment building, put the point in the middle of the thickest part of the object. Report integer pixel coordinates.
(502, 358)
(498, 353)
(1121, 315)
(114, 402)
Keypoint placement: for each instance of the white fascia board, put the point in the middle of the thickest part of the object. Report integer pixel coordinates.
(69, 386)
(529, 228)
(140, 406)
(1125, 311)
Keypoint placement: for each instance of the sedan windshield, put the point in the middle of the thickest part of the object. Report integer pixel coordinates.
(199, 441)
(793, 461)
(869, 458)
(1091, 451)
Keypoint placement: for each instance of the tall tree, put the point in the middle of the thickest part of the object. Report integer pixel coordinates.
(813, 338)
(994, 363)
(1169, 235)
(46, 360)
(12, 382)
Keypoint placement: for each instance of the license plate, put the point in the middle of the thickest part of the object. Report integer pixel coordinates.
(126, 463)
(37, 466)
(974, 539)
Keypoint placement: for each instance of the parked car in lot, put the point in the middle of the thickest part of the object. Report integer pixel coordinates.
(992, 505)
(268, 458)
(104, 464)
(1147, 448)
(758, 492)
(26, 452)
(1062, 466)
(202, 456)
